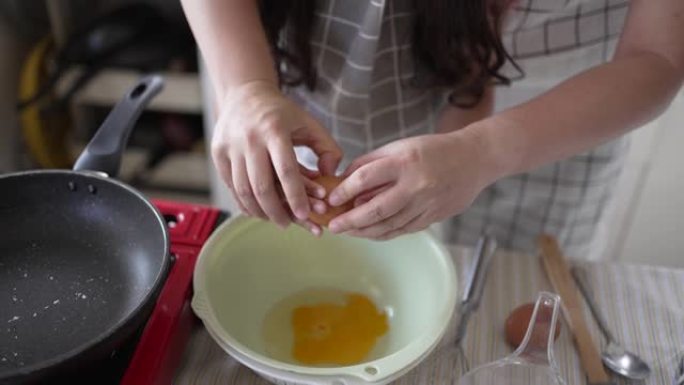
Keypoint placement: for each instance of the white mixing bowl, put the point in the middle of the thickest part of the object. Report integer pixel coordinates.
(249, 265)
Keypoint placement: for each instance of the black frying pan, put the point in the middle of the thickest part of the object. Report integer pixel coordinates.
(82, 256)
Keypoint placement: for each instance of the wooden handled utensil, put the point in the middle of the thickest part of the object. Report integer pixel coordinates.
(559, 274)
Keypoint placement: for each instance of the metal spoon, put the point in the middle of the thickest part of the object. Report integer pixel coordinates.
(614, 356)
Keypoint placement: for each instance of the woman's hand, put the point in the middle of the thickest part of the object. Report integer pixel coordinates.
(253, 149)
(412, 183)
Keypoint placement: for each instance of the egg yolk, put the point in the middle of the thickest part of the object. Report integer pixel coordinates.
(329, 182)
(328, 333)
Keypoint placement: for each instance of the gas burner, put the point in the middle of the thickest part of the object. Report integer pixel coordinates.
(153, 354)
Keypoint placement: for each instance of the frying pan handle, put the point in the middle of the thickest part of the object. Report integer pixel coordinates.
(104, 151)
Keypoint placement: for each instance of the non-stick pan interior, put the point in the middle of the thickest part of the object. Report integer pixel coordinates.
(79, 254)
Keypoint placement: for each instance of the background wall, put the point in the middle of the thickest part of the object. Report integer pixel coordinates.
(648, 216)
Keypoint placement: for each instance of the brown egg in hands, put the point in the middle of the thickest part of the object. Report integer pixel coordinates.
(329, 182)
(518, 321)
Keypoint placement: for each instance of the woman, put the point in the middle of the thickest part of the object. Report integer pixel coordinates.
(400, 97)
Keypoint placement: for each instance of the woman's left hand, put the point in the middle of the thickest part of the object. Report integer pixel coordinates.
(409, 184)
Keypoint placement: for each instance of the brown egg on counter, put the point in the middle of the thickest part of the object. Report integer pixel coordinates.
(518, 321)
(329, 182)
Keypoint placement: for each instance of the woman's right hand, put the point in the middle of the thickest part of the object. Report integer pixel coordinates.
(253, 150)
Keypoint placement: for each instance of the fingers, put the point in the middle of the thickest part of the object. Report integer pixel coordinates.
(291, 179)
(244, 196)
(366, 178)
(376, 210)
(368, 195)
(318, 206)
(264, 188)
(395, 222)
(254, 136)
(223, 166)
(362, 160)
(319, 140)
(415, 225)
(311, 227)
(311, 174)
(242, 208)
(314, 189)
(243, 189)
(328, 162)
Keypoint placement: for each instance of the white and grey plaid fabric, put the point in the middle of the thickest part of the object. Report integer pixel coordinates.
(362, 53)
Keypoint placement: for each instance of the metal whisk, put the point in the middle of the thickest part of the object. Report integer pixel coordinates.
(484, 250)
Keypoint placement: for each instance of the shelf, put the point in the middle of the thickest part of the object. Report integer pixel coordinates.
(187, 169)
(181, 91)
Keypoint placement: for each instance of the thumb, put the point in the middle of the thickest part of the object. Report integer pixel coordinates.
(323, 145)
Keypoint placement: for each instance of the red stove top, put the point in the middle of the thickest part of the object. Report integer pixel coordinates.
(162, 342)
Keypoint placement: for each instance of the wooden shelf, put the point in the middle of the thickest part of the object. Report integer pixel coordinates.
(181, 92)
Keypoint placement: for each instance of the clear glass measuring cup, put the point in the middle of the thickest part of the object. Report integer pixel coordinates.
(533, 363)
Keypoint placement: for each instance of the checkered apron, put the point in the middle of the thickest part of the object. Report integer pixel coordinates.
(362, 52)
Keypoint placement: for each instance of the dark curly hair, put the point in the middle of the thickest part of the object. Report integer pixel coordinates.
(456, 44)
